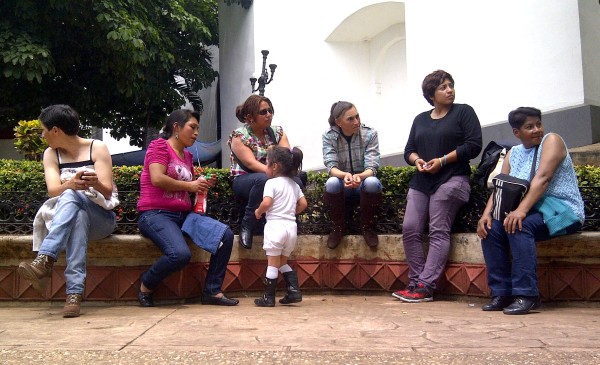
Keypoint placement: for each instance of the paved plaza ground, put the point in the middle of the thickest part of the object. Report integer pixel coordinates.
(323, 329)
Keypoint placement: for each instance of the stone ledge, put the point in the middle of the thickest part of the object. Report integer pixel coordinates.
(568, 268)
(135, 250)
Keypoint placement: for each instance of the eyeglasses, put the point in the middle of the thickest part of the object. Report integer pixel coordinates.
(265, 111)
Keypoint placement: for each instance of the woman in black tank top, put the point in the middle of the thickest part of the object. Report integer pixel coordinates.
(73, 166)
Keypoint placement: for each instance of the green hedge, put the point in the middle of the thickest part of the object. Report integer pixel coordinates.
(21, 175)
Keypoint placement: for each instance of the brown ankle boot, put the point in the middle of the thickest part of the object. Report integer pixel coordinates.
(37, 272)
(369, 205)
(72, 305)
(336, 204)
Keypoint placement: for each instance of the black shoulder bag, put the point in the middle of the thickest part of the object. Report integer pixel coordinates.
(491, 163)
(509, 191)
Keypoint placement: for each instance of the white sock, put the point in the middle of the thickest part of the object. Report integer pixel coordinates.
(285, 268)
(272, 272)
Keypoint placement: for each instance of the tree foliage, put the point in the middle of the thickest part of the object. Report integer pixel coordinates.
(28, 139)
(119, 63)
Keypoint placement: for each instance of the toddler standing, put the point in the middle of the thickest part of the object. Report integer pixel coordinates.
(282, 201)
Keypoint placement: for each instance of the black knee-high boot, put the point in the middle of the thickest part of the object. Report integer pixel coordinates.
(293, 295)
(268, 298)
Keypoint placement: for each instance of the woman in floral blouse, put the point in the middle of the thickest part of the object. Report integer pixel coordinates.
(249, 144)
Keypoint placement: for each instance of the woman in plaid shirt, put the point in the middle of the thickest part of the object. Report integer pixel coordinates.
(351, 155)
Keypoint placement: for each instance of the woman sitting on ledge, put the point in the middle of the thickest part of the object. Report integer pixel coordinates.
(351, 156)
(165, 209)
(249, 144)
(78, 174)
(509, 245)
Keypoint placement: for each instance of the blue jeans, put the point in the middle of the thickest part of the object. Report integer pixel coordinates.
(511, 259)
(164, 229)
(249, 187)
(70, 231)
(370, 185)
(440, 209)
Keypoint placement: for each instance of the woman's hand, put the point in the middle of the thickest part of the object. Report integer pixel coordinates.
(431, 167)
(421, 165)
(351, 181)
(89, 179)
(79, 182)
(200, 184)
(513, 220)
(484, 225)
(211, 180)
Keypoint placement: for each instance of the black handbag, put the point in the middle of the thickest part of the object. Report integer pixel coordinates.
(490, 165)
(509, 191)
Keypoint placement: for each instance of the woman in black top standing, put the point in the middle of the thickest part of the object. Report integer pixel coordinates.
(441, 143)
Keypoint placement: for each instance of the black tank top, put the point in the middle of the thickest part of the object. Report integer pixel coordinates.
(70, 169)
(75, 164)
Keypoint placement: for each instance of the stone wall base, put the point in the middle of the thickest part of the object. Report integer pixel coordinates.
(568, 268)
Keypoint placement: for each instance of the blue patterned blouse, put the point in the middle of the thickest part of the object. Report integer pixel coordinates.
(564, 183)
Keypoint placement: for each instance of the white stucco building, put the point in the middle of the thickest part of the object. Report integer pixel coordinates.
(502, 55)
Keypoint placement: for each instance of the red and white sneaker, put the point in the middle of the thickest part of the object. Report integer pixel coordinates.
(399, 293)
(420, 294)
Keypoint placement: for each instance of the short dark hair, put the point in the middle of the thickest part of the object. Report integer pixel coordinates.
(251, 106)
(337, 109)
(289, 160)
(179, 117)
(432, 81)
(61, 116)
(517, 117)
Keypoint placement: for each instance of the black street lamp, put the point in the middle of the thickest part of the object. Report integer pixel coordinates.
(264, 79)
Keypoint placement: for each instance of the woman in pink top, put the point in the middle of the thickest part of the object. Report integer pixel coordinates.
(165, 212)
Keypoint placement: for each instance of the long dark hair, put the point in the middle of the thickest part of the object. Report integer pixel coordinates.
(179, 117)
(289, 160)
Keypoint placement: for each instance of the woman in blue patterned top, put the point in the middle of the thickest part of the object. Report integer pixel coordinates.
(509, 245)
(351, 155)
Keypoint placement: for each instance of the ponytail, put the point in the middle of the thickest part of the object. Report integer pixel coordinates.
(289, 160)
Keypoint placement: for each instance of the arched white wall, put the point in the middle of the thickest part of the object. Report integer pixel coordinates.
(389, 88)
(313, 73)
(501, 54)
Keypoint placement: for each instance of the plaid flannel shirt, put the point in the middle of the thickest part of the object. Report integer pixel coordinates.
(363, 147)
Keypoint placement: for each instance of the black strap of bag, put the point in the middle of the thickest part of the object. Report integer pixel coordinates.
(271, 135)
(533, 164)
